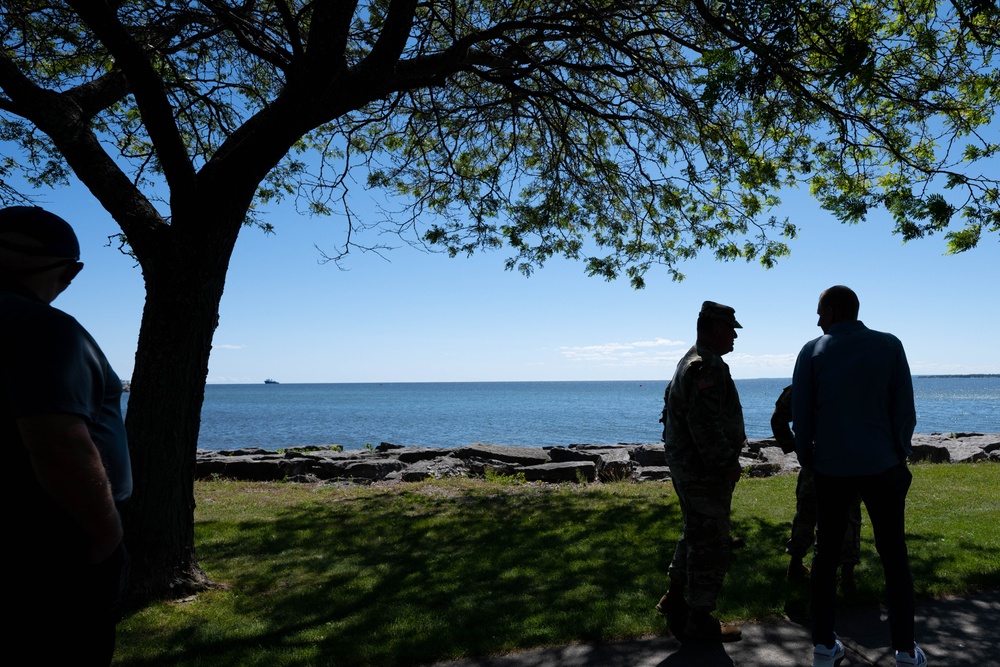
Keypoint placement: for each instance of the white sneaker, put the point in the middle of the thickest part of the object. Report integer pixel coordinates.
(827, 657)
(903, 659)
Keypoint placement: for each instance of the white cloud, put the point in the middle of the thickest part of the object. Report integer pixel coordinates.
(638, 353)
(761, 360)
(231, 379)
(663, 354)
(229, 347)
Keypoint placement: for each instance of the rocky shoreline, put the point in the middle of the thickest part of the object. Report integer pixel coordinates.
(637, 462)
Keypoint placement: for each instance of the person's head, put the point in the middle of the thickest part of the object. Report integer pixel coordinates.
(38, 250)
(837, 304)
(717, 327)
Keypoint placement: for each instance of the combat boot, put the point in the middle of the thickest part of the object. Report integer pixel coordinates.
(702, 626)
(675, 608)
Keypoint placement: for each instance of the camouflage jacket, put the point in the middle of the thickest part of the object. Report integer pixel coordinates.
(703, 418)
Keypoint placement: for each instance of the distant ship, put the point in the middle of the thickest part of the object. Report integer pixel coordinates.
(271, 381)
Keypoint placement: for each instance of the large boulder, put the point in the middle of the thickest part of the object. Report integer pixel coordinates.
(653, 474)
(414, 454)
(756, 444)
(614, 465)
(930, 448)
(568, 471)
(439, 468)
(329, 468)
(758, 468)
(270, 467)
(649, 455)
(372, 470)
(562, 454)
(478, 466)
(524, 456)
(787, 463)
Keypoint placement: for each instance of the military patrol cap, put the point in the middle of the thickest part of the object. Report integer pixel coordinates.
(716, 311)
(40, 233)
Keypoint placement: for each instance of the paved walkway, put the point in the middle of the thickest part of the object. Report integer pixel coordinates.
(956, 632)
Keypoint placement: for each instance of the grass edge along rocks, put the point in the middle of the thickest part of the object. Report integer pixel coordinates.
(573, 463)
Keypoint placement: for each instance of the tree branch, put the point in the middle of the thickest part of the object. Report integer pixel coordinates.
(148, 88)
(395, 33)
(64, 121)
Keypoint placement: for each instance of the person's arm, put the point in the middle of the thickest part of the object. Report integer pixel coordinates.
(779, 421)
(803, 407)
(69, 468)
(783, 434)
(904, 412)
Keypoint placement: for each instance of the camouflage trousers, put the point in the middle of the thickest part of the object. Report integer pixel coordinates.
(804, 523)
(702, 553)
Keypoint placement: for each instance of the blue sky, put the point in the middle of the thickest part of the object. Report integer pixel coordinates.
(423, 317)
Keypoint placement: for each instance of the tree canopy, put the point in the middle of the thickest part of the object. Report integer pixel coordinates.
(623, 133)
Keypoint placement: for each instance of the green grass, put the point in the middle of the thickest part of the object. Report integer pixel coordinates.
(438, 570)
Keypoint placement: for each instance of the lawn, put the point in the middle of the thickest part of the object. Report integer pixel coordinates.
(415, 573)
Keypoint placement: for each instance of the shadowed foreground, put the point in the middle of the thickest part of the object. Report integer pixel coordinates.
(420, 573)
(955, 632)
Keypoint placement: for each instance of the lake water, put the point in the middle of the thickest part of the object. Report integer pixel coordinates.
(519, 413)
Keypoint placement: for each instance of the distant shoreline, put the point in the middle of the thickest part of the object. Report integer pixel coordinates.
(969, 375)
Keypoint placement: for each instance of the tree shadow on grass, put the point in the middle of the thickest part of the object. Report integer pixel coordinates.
(934, 557)
(423, 575)
(418, 578)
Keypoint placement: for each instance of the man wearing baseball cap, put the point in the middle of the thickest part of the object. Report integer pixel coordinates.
(68, 460)
(704, 433)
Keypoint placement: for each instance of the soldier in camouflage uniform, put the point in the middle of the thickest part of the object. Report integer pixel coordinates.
(704, 433)
(804, 523)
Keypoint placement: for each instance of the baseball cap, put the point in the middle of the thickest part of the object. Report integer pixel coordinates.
(716, 311)
(37, 232)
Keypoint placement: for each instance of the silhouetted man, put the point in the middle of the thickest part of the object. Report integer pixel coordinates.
(68, 462)
(852, 403)
(704, 433)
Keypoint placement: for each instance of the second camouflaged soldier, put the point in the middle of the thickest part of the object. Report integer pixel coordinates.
(804, 523)
(703, 435)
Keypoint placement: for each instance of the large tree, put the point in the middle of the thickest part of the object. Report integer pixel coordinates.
(624, 133)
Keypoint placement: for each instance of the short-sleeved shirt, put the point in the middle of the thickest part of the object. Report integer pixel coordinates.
(49, 364)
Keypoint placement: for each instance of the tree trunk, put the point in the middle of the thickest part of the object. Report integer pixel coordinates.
(183, 292)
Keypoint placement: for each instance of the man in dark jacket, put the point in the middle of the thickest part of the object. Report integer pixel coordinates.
(853, 414)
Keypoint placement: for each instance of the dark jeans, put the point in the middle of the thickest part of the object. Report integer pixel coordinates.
(884, 496)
